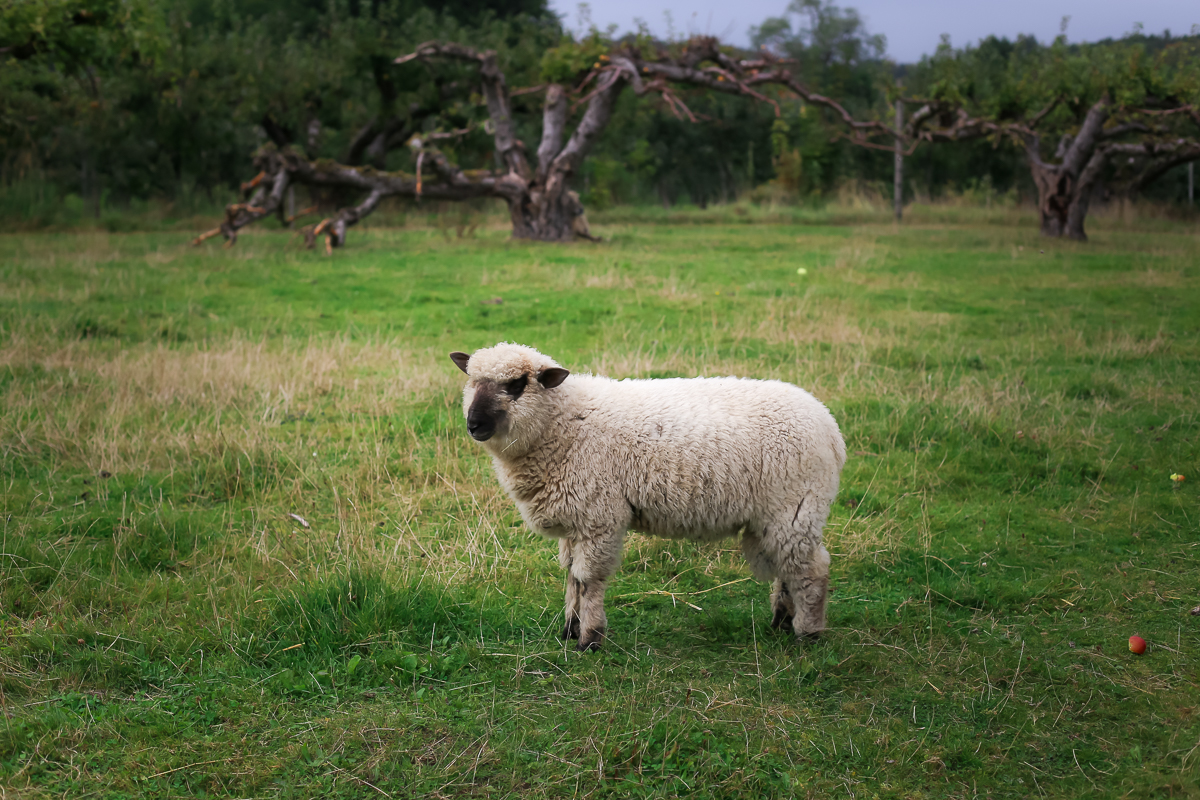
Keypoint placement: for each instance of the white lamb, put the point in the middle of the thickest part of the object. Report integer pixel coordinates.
(588, 458)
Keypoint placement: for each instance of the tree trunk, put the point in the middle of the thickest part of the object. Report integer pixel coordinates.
(1054, 198)
(1063, 200)
(898, 169)
(1065, 189)
(546, 218)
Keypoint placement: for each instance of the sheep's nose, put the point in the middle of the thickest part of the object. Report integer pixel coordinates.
(480, 430)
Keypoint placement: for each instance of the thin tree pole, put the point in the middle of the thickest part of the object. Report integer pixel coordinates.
(899, 173)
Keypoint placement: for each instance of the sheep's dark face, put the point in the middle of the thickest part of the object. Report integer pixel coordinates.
(503, 400)
(489, 407)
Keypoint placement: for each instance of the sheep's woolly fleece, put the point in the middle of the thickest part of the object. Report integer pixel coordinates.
(699, 458)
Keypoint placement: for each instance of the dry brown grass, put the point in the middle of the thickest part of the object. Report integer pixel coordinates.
(157, 409)
(151, 407)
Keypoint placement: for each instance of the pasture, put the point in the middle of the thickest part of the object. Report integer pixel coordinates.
(248, 548)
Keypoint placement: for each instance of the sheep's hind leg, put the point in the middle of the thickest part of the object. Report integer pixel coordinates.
(571, 606)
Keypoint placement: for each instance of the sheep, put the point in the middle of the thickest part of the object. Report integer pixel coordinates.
(588, 458)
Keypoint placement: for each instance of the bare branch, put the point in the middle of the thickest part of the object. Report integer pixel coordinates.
(495, 89)
(859, 141)
(529, 90)
(630, 69)
(434, 49)
(610, 79)
(1037, 118)
(283, 168)
(1123, 129)
(1084, 143)
(1190, 110)
(262, 203)
(595, 119)
(1160, 157)
(554, 121)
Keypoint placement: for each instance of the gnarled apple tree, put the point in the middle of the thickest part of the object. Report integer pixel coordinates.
(1109, 112)
(575, 109)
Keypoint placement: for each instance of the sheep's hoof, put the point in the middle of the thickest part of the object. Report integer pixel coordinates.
(808, 637)
(590, 642)
(781, 619)
(571, 631)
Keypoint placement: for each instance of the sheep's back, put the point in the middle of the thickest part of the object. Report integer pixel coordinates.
(704, 456)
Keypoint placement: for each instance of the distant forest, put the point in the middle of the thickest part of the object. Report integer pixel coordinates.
(104, 103)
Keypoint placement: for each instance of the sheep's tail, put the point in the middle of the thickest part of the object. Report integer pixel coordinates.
(839, 449)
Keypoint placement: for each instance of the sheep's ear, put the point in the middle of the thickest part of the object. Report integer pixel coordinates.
(552, 377)
(461, 360)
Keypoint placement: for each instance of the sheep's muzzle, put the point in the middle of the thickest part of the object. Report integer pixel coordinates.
(481, 429)
(484, 415)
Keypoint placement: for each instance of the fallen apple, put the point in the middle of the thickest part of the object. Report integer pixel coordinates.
(1137, 645)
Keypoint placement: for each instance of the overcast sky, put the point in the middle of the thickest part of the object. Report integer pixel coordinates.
(913, 27)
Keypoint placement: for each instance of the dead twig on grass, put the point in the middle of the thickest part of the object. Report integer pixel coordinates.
(676, 597)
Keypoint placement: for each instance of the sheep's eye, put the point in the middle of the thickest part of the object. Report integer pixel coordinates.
(515, 388)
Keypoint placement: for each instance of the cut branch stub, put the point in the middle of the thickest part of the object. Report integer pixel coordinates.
(260, 204)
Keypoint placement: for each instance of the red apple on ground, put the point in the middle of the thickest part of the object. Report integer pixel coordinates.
(1137, 645)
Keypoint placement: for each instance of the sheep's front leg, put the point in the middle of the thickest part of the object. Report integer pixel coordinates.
(784, 610)
(763, 565)
(593, 620)
(809, 591)
(593, 561)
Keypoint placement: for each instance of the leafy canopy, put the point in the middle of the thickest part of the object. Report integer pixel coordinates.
(1011, 81)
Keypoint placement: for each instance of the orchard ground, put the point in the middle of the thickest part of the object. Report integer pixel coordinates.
(248, 548)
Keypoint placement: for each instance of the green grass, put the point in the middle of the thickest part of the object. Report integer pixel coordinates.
(1013, 408)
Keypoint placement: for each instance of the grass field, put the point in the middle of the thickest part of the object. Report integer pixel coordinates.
(1013, 408)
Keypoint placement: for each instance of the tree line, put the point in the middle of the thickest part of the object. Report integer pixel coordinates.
(110, 101)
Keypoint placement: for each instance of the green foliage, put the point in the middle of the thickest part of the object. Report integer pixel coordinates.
(571, 60)
(833, 49)
(107, 105)
(128, 100)
(1005, 81)
(78, 34)
(789, 164)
